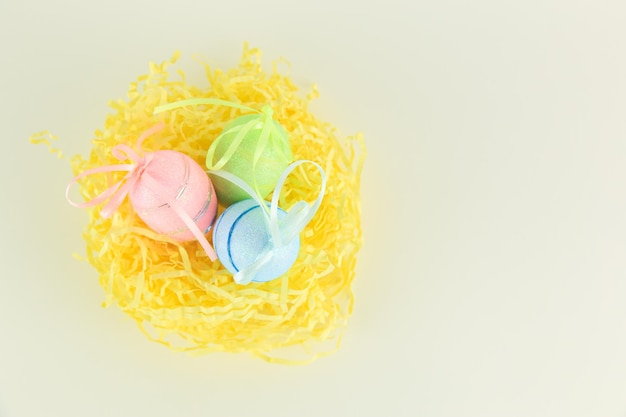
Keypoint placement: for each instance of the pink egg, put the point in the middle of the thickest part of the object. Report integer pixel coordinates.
(173, 176)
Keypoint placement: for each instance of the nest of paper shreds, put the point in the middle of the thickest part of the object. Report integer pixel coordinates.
(177, 295)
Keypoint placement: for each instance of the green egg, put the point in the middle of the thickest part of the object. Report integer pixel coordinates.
(253, 147)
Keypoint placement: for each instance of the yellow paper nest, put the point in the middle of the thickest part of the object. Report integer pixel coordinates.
(175, 293)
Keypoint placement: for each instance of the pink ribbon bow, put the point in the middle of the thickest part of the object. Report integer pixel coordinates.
(118, 192)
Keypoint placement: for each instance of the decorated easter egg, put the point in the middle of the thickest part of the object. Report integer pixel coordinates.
(168, 178)
(240, 236)
(243, 150)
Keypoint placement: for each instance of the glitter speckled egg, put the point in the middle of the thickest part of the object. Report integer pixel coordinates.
(239, 236)
(273, 160)
(181, 179)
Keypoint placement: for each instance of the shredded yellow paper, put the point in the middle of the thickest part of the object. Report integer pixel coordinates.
(175, 293)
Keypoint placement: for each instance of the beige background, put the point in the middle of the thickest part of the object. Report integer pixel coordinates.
(492, 282)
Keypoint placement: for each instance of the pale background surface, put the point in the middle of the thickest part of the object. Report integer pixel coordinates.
(493, 278)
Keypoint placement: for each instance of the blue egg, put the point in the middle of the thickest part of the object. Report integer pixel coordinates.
(240, 235)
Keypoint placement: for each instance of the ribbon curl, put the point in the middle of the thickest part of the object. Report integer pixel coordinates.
(281, 232)
(118, 192)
